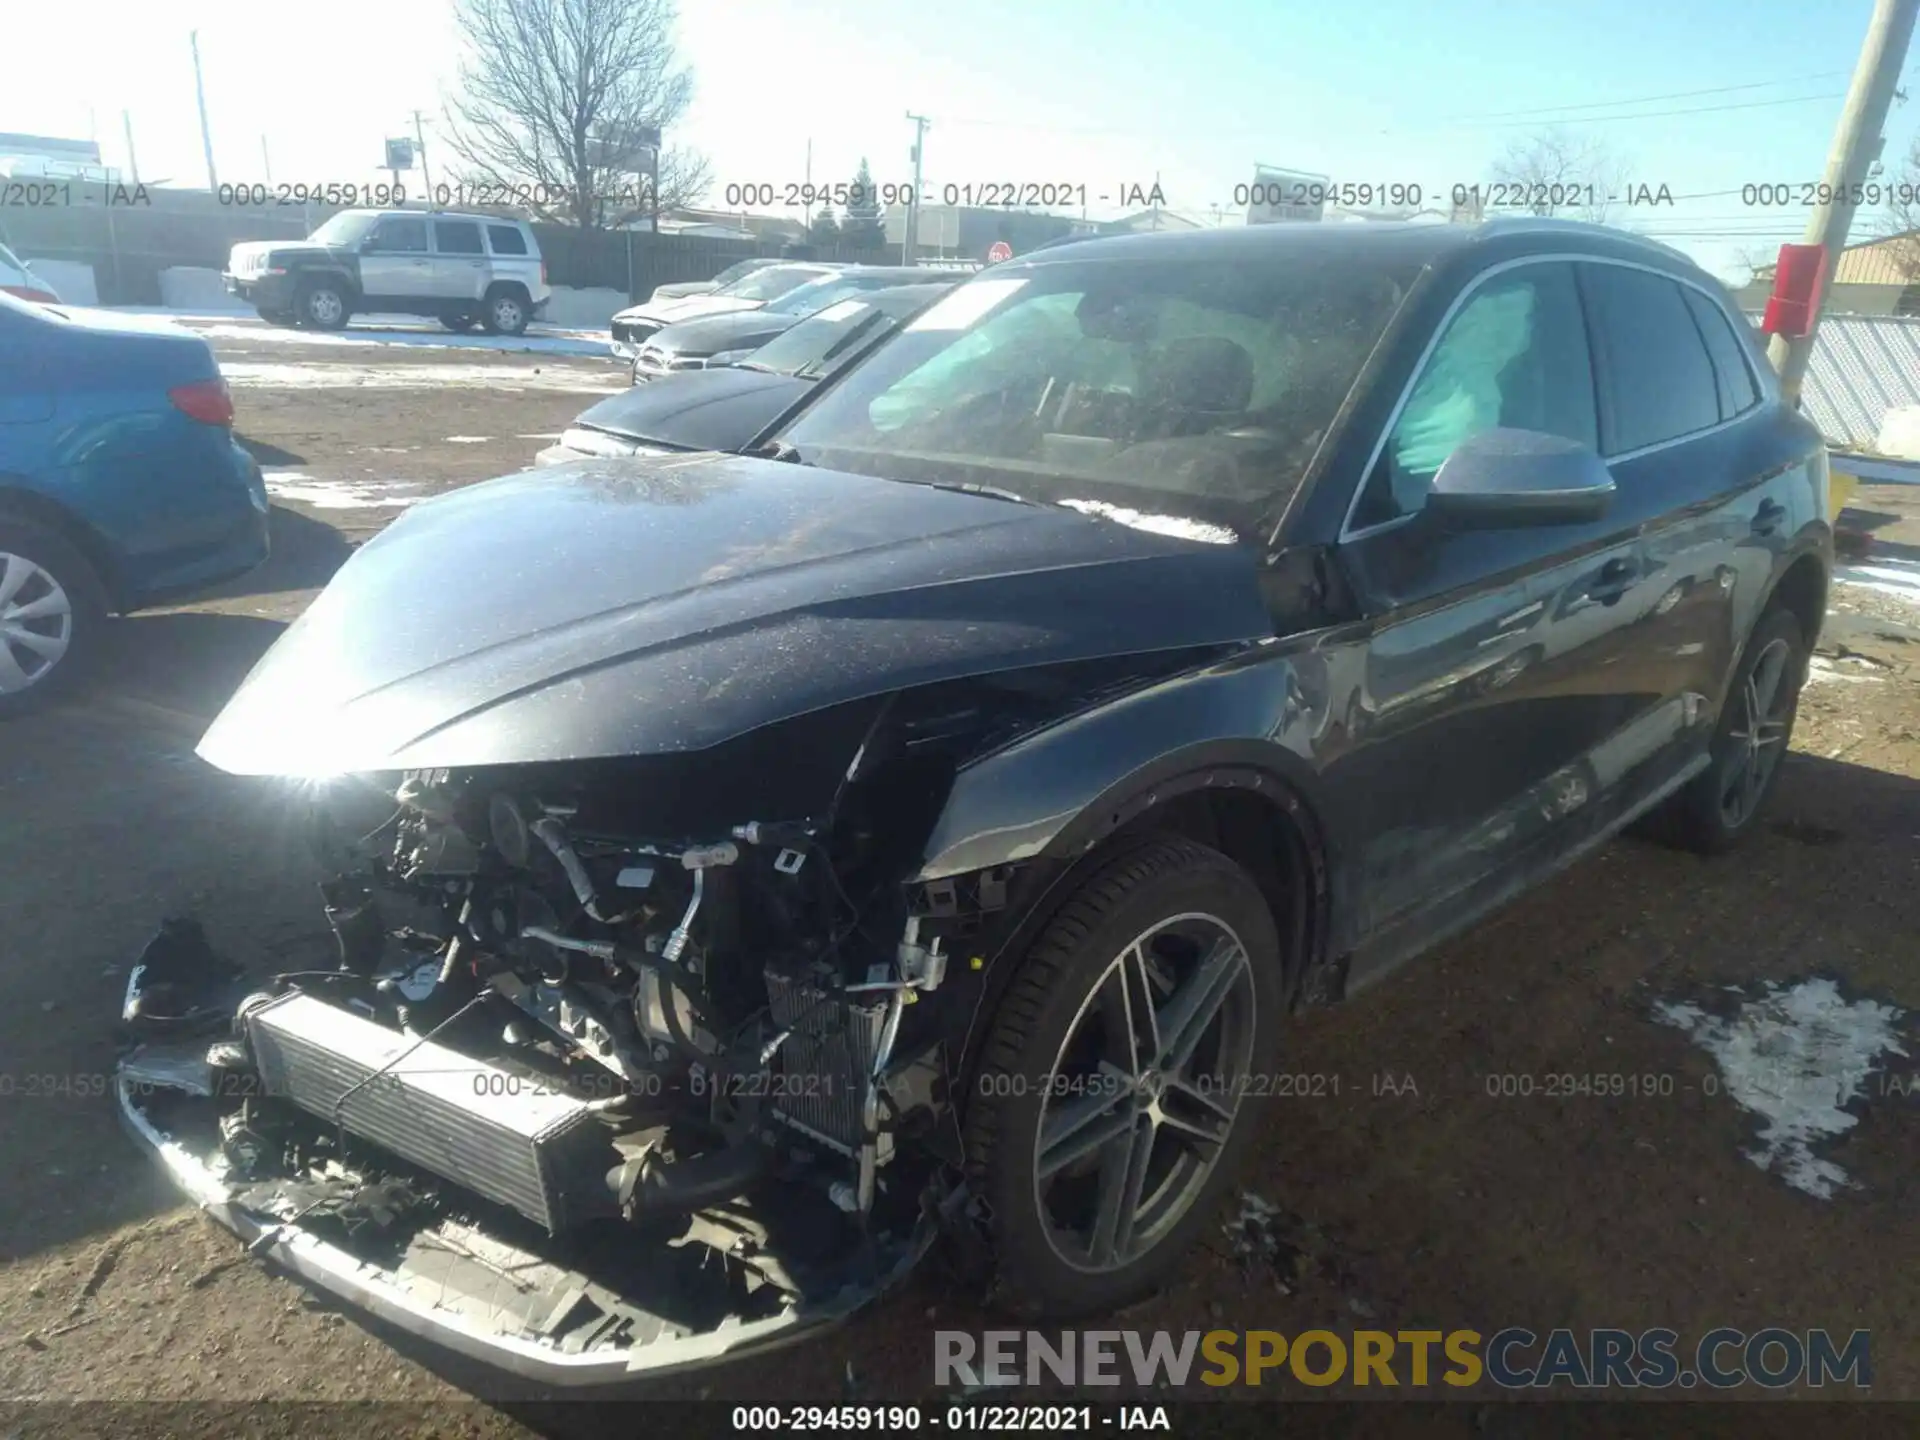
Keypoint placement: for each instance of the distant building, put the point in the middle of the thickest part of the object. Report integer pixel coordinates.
(49, 157)
(967, 232)
(1147, 222)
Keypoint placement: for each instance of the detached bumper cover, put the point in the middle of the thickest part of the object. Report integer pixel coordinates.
(455, 1284)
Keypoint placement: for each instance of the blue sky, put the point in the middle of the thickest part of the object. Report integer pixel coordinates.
(1068, 91)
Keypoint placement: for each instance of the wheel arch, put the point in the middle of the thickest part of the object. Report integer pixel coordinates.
(1802, 588)
(1229, 796)
(18, 502)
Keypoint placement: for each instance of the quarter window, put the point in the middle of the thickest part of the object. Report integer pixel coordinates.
(1656, 375)
(1513, 357)
(506, 240)
(401, 233)
(457, 237)
(1738, 394)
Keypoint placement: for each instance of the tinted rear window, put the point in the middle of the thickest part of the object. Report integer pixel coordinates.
(506, 240)
(1654, 367)
(1738, 393)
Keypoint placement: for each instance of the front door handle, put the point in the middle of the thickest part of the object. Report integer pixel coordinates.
(1769, 517)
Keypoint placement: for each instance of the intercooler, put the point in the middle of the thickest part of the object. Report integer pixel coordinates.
(827, 1060)
(503, 1135)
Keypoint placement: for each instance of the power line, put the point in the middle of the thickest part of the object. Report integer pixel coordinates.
(1646, 99)
(1647, 114)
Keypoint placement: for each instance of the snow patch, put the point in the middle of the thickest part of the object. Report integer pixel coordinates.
(1897, 578)
(1176, 525)
(468, 439)
(1796, 1057)
(338, 494)
(1856, 672)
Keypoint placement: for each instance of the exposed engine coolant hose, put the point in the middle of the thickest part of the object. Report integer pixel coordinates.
(554, 836)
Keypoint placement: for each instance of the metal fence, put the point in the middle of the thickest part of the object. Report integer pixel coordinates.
(130, 241)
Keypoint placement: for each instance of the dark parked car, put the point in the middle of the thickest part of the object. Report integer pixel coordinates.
(727, 407)
(120, 483)
(725, 339)
(929, 826)
(681, 289)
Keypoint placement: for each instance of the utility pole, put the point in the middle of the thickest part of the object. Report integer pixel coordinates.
(200, 94)
(266, 160)
(807, 190)
(420, 144)
(133, 162)
(1856, 145)
(912, 241)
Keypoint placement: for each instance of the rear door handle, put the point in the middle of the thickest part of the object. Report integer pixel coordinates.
(1769, 517)
(1616, 577)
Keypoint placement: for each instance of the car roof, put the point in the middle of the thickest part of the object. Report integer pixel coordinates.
(1398, 240)
(902, 300)
(440, 215)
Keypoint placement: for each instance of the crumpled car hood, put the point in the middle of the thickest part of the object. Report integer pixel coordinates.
(651, 605)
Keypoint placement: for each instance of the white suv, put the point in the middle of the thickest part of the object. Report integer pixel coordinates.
(464, 269)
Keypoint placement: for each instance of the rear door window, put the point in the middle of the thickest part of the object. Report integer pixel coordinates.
(1656, 376)
(506, 240)
(457, 237)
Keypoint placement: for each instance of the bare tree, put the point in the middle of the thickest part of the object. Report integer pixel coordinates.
(1557, 173)
(554, 93)
(1900, 219)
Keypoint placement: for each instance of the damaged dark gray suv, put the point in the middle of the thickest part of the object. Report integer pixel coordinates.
(747, 870)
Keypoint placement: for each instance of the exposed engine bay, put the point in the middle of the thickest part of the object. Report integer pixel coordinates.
(668, 1026)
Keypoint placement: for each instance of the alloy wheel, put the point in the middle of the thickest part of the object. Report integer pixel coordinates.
(1759, 736)
(36, 623)
(506, 313)
(1144, 1092)
(324, 307)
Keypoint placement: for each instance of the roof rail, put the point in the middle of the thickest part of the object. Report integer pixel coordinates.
(1536, 224)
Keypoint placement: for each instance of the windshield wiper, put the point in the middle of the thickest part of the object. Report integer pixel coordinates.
(992, 492)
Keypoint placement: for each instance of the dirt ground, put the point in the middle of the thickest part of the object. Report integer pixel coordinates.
(1430, 1204)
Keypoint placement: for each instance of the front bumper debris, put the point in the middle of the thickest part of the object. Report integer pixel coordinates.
(566, 1313)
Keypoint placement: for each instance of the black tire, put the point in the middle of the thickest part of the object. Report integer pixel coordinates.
(1698, 817)
(32, 616)
(275, 317)
(1045, 1018)
(459, 324)
(323, 305)
(506, 310)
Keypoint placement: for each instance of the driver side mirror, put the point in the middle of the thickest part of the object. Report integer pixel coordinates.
(1503, 479)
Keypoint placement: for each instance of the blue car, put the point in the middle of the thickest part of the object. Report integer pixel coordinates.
(121, 484)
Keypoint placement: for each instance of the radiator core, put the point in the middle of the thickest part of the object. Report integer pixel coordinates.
(496, 1132)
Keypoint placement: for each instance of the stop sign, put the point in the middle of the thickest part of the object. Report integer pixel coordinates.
(998, 251)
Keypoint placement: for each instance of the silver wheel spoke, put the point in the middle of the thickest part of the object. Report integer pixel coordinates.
(1137, 997)
(48, 647)
(1123, 1175)
(14, 572)
(1073, 1131)
(1192, 1008)
(54, 602)
(12, 677)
